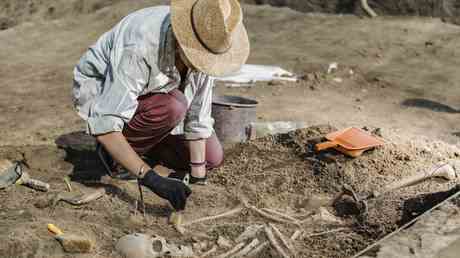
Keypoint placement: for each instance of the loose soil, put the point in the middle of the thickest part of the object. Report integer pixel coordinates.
(281, 172)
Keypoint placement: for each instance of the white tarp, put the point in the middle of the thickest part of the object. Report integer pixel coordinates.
(253, 73)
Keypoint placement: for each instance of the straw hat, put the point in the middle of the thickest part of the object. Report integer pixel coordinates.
(211, 34)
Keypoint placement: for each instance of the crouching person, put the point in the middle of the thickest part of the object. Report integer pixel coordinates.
(145, 90)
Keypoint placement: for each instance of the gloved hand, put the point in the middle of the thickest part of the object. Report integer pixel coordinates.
(173, 190)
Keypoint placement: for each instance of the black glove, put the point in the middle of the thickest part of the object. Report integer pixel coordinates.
(173, 190)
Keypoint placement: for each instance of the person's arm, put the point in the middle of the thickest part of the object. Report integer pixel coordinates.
(199, 123)
(120, 150)
(197, 156)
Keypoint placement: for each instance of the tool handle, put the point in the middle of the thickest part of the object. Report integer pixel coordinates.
(37, 185)
(325, 145)
(55, 230)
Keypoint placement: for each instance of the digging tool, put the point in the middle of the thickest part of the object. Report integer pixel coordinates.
(71, 243)
(10, 172)
(13, 173)
(443, 172)
(360, 202)
(35, 184)
(351, 141)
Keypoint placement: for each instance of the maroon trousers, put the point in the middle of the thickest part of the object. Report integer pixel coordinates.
(148, 132)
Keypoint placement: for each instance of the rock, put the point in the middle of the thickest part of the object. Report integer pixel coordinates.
(224, 242)
(338, 80)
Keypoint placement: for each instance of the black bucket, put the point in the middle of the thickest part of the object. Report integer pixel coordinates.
(233, 117)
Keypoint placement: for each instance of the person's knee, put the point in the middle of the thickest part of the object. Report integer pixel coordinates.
(215, 159)
(177, 107)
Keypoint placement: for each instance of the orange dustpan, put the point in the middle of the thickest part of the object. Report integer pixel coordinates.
(351, 141)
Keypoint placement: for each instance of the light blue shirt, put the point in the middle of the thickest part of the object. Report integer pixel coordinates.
(134, 58)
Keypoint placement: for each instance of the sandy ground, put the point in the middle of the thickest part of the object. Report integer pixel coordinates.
(404, 81)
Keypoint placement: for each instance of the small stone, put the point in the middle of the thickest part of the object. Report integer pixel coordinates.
(224, 242)
(338, 80)
(378, 132)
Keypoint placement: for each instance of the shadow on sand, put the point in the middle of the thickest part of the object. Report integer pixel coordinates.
(429, 104)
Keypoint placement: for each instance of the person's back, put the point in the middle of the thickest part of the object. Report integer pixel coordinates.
(145, 90)
(139, 32)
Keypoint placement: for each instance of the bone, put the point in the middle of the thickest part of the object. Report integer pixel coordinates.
(285, 241)
(264, 244)
(368, 9)
(224, 242)
(141, 245)
(243, 252)
(258, 249)
(235, 249)
(272, 217)
(296, 234)
(282, 215)
(442, 171)
(209, 252)
(225, 214)
(249, 233)
(274, 242)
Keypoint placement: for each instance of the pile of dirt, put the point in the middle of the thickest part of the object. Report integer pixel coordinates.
(285, 173)
(434, 8)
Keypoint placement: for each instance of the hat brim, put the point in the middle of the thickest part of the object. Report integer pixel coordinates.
(197, 54)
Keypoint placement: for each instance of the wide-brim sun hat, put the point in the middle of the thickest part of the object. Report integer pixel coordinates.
(211, 34)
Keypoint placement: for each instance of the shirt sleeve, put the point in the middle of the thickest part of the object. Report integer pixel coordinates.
(117, 103)
(198, 123)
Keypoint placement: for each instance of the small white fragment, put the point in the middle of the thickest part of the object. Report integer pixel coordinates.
(224, 242)
(338, 80)
(332, 68)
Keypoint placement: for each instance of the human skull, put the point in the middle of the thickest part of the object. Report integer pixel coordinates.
(144, 246)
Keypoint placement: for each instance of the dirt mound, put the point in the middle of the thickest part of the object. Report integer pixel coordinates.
(14, 12)
(435, 8)
(283, 171)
